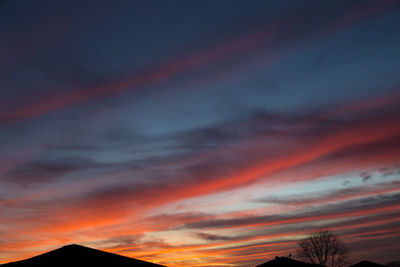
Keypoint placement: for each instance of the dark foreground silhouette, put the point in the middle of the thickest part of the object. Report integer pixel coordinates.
(367, 264)
(79, 256)
(287, 262)
(283, 262)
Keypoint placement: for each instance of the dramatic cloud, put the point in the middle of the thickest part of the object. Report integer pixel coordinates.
(150, 131)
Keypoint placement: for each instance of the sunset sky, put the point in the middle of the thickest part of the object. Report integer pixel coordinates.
(199, 133)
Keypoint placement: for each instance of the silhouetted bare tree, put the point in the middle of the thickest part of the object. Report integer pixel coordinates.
(322, 247)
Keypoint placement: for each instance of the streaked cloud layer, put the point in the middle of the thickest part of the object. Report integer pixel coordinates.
(199, 134)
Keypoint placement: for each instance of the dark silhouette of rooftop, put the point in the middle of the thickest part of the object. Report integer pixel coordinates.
(367, 264)
(79, 256)
(284, 261)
